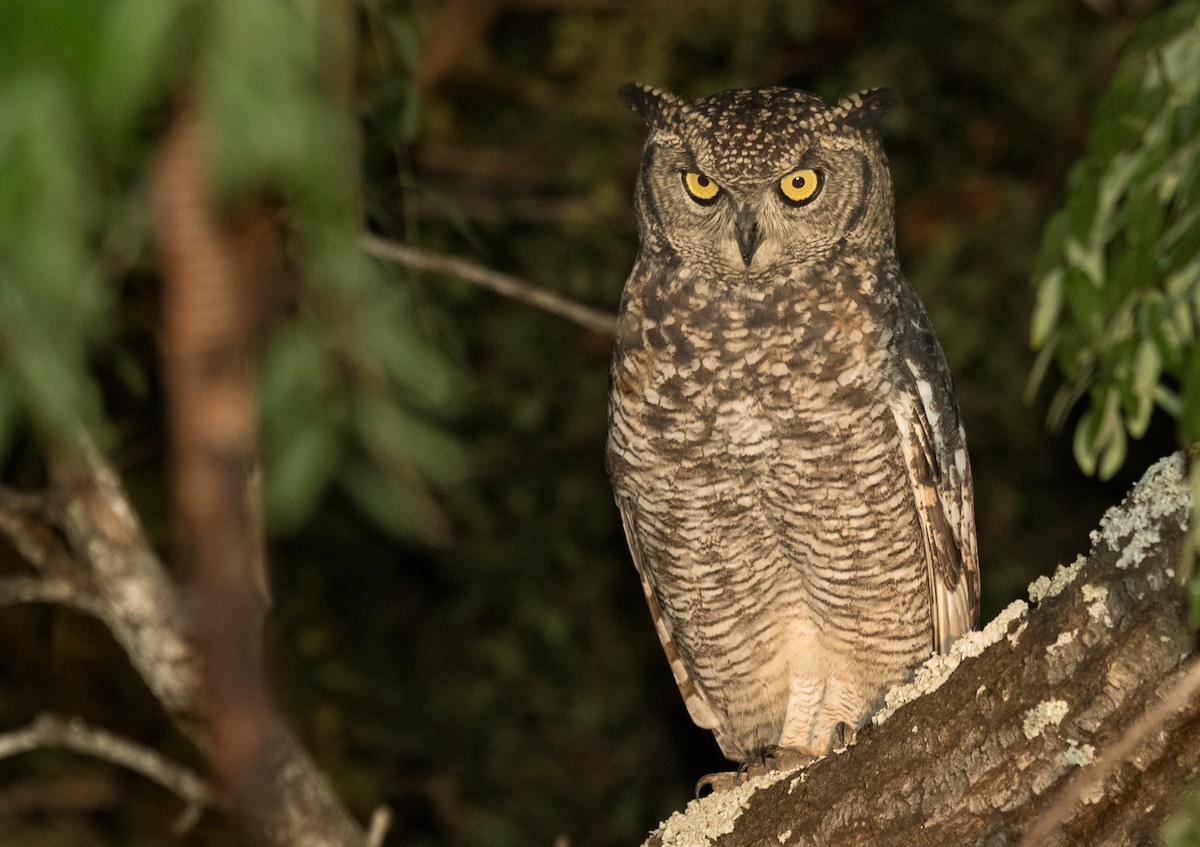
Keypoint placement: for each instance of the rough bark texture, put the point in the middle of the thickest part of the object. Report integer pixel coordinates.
(981, 746)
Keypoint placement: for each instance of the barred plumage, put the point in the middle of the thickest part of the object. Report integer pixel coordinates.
(784, 443)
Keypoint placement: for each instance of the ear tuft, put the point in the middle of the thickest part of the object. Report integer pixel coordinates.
(657, 108)
(866, 109)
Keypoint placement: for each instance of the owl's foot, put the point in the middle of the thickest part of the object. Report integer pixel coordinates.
(843, 736)
(721, 781)
(765, 761)
(787, 759)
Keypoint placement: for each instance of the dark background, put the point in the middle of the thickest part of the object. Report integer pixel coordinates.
(498, 681)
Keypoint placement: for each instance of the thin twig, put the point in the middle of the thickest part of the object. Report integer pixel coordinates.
(594, 319)
(79, 737)
(381, 822)
(15, 590)
(25, 523)
(1180, 695)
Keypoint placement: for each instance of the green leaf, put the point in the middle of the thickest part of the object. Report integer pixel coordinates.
(1113, 455)
(1146, 369)
(292, 372)
(1086, 304)
(1047, 307)
(401, 510)
(298, 471)
(1083, 444)
(406, 41)
(1189, 417)
(395, 433)
(1083, 187)
(132, 70)
(407, 356)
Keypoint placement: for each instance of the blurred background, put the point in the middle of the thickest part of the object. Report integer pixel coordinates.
(458, 631)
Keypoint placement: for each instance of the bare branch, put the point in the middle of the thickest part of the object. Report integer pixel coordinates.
(13, 501)
(75, 735)
(381, 822)
(21, 589)
(25, 523)
(591, 318)
(141, 605)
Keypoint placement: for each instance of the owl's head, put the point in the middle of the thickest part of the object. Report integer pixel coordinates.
(747, 181)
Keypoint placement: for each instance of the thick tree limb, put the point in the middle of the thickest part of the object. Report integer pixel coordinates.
(214, 284)
(209, 304)
(1090, 778)
(1094, 678)
(591, 318)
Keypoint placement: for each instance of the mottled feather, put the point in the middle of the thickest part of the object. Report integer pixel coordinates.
(784, 443)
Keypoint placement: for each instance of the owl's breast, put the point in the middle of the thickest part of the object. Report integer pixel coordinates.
(756, 457)
(735, 367)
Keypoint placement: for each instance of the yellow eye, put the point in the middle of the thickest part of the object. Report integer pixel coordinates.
(700, 187)
(801, 186)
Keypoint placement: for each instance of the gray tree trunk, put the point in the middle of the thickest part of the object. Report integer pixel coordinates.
(1070, 720)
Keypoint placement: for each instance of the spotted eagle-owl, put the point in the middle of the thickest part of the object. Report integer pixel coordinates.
(784, 442)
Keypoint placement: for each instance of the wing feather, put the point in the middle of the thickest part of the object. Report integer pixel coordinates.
(939, 471)
(698, 706)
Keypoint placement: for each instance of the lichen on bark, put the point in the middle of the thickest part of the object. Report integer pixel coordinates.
(980, 745)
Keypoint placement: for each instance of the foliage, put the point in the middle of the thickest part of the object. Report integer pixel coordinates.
(1118, 278)
(1119, 273)
(513, 666)
(1183, 828)
(349, 380)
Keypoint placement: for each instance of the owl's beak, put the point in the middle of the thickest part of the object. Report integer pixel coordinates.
(748, 238)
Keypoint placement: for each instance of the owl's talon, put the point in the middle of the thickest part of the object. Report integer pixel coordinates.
(787, 759)
(720, 781)
(759, 763)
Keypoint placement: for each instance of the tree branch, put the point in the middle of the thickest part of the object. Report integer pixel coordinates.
(213, 288)
(21, 589)
(25, 522)
(591, 318)
(139, 602)
(75, 735)
(1088, 780)
(990, 738)
(381, 822)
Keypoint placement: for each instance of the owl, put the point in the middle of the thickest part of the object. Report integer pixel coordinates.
(784, 442)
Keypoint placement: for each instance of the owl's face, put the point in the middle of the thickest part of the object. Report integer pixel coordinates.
(745, 182)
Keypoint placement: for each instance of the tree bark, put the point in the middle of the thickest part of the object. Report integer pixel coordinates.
(110, 559)
(1070, 720)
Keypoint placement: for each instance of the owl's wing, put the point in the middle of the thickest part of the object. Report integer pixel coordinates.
(698, 707)
(935, 454)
